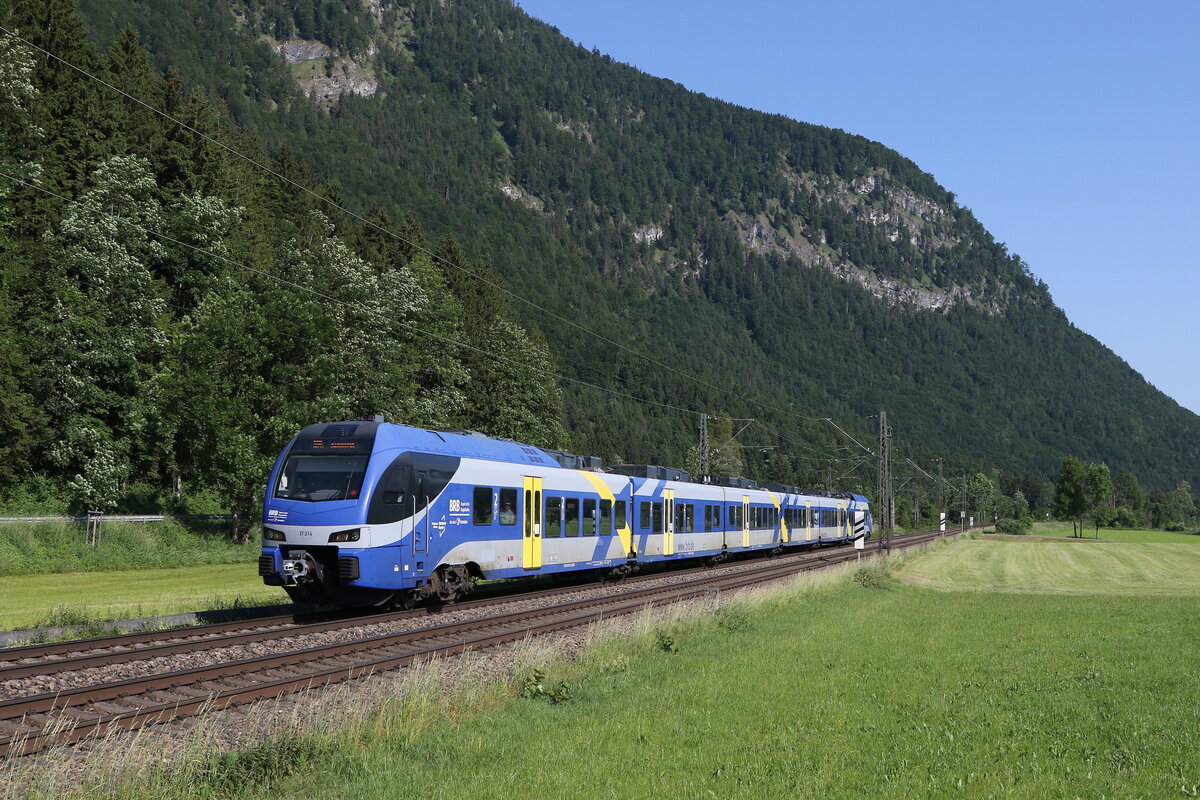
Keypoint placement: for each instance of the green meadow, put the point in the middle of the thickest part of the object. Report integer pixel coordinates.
(1062, 566)
(52, 576)
(906, 679)
(1063, 530)
(92, 597)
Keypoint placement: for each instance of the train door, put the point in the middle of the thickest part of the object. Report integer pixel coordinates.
(668, 522)
(420, 530)
(531, 524)
(807, 521)
(745, 520)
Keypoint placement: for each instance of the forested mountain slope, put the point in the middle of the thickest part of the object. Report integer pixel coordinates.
(170, 314)
(757, 259)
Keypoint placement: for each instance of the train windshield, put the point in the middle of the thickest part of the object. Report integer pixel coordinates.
(321, 476)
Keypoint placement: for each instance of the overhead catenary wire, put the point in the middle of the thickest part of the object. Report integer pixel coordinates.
(418, 247)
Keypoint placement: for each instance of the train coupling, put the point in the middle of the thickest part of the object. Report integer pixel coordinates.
(300, 567)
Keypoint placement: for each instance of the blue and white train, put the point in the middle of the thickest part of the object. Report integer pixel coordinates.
(372, 513)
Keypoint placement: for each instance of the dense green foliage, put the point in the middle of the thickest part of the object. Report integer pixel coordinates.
(713, 238)
(183, 313)
(1090, 491)
(695, 231)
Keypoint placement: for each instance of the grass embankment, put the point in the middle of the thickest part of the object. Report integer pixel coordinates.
(47, 547)
(833, 688)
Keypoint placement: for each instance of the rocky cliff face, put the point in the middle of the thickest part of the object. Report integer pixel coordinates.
(895, 211)
(324, 75)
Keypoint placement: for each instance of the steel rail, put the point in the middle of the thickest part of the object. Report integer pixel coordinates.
(33, 723)
(40, 659)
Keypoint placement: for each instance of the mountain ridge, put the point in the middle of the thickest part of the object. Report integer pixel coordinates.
(603, 192)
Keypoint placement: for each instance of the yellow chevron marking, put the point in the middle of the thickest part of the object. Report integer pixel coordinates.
(625, 533)
(783, 529)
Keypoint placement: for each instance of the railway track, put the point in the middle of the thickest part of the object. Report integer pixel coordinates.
(34, 722)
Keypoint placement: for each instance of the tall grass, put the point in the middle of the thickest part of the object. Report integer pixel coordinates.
(50, 547)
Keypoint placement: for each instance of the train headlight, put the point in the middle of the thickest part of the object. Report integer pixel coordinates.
(273, 535)
(345, 536)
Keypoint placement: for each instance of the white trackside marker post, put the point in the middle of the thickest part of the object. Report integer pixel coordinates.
(942, 522)
(860, 544)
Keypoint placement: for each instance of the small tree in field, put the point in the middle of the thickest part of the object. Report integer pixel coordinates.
(1099, 487)
(1070, 494)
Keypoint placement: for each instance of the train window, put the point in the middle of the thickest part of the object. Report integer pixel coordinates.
(619, 515)
(606, 525)
(681, 517)
(553, 517)
(656, 513)
(589, 517)
(571, 517)
(644, 517)
(707, 517)
(320, 477)
(508, 506)
(481, 501)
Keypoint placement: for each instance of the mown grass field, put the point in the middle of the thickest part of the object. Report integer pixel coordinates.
(1063, 530)
(830, 689)
(79, 598)
(1048, 566)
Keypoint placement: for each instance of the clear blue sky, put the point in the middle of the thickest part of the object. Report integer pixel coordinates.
(1071, 129)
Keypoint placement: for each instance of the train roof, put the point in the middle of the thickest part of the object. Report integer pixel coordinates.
(379, 435)
(460, 444)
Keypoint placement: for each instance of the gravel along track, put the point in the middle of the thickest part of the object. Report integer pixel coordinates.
(63, 666)
(139, 692)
